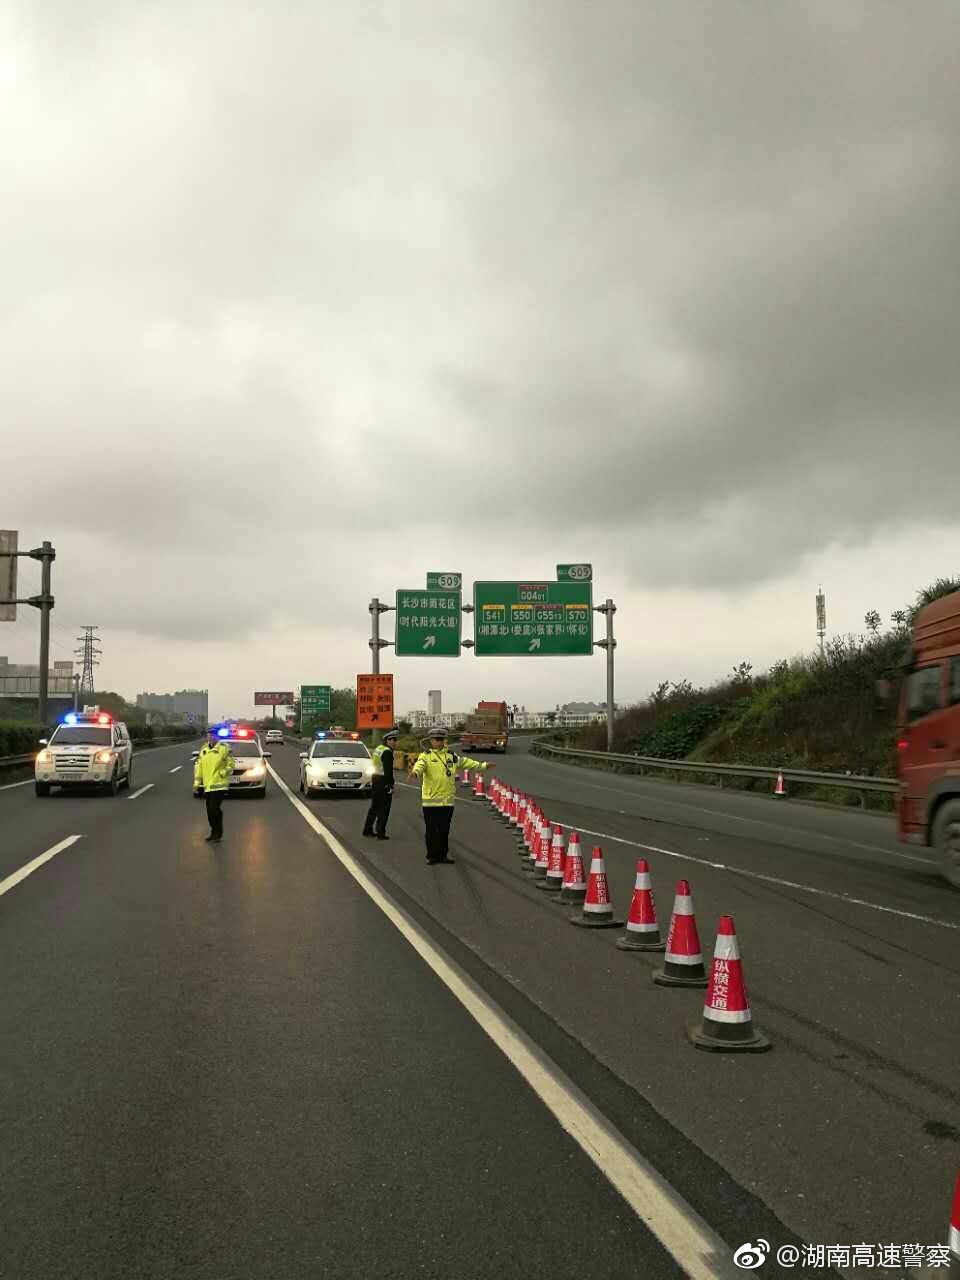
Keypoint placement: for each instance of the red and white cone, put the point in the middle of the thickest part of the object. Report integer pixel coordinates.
(478, 787)
(643, 932)
(554, 876)
(683, 962)
(780, 789)
(465, 780)
(492, 791)
(542, 862)
(955, 1224)
(507, 806)
(597, 907)
(521, 815)
(523, 844)
(727, 1022)
(574, 887)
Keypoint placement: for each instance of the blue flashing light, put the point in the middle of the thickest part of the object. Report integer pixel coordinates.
(320, 734)
(70, 718)
(223, 733)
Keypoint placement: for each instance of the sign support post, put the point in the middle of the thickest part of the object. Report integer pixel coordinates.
(44, 602)
(376, 644)
(610, 644)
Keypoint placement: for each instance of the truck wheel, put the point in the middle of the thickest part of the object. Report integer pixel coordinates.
(42, 788)
(946, 838)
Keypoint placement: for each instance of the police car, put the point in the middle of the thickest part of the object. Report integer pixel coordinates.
(249, 770)
(337, 761)
(274, 735)
(87, 749)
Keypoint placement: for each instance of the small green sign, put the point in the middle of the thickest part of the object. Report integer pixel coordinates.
(444, 581)
(314, 700)
(532, 619)
(428, 623)
(574, 572)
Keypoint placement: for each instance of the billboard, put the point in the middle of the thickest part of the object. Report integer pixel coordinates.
(284, 699)
(374, 702)
(8, 574)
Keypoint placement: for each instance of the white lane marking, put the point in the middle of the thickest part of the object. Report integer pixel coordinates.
(8, 786)
(757, 822)
(786, 884)
(176, 768)
(681, 1231)
(134, 794)
(28, 868)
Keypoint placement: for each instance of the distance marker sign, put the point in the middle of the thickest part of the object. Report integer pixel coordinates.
(532, 619)
(428, 624)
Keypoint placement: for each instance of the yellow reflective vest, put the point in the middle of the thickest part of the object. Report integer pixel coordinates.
(213, 768)
(437, 771)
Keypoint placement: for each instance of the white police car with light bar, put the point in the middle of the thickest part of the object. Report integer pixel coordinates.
(337, 761)
(88, 748)
(249, 767)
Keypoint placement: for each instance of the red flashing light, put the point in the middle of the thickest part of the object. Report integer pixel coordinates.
(902, 744)
(355, 737)
(243, 733)
(103, 718)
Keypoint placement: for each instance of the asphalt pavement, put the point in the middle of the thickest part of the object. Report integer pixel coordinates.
(228, 1062)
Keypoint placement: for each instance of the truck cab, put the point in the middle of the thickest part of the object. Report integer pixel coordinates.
(928, 736)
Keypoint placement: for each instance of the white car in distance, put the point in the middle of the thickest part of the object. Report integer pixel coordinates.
(336, 764)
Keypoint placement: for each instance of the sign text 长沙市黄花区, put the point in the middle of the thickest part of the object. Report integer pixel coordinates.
(532, 618)
(428, 624)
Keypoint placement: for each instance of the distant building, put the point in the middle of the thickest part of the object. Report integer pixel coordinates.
(434, 700)
(22, 679)
(186, 704)
(580, 713)
(530, 719)
(419, 720)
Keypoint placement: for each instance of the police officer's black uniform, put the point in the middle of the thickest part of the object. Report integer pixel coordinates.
(382, 794)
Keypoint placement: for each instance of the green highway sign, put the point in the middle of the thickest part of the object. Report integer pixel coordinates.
(428, 623)
(574, 572)
(538, 619)
(444, 581)
(314, 700)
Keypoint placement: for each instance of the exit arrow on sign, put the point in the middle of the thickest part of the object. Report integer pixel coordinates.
(430, 642)
(534, 644)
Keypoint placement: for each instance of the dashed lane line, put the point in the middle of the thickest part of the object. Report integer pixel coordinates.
(28, 868)
(136, 794)
(176, 768)
(8, 786)
(786, 884)
(682, 1232)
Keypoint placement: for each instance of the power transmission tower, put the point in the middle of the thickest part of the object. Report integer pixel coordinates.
(89, 654)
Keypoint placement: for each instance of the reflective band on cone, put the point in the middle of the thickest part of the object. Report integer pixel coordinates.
(542, 862)
(683, 962)
(597, 907)
(478, 788)
(521, 815)
(643, 932)
(955, 1222)
(574, 887)
(465, 780)
(554, 877)
(779, 789)
(727, 1023)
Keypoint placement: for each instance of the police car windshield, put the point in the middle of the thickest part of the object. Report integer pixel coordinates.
(244, 748)
(80, 735)
(348, 750)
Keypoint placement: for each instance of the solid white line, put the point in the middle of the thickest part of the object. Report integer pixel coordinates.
(29, 867)
(8, 786)
(134, 795)
(786, 884)
(176, 768)
(681, 1231)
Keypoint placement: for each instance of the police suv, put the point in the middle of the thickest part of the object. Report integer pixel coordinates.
(87, 749)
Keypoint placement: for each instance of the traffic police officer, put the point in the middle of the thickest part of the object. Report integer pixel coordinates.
(437, 770)
(212, 772)
(382, 795)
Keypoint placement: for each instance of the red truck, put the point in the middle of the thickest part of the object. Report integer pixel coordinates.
(487, 729)
(928, 737)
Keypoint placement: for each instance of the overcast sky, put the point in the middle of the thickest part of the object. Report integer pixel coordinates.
(301, 300)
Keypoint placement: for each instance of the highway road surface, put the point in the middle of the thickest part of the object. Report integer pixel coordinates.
(303, 1053)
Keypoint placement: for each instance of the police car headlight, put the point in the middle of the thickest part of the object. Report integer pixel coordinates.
(368, 770)
(103, 757)
(44, 757)
(256, 771)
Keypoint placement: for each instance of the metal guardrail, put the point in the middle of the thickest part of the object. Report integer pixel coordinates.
(641, 764)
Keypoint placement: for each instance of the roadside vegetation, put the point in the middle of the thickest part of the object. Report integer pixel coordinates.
(817, 711)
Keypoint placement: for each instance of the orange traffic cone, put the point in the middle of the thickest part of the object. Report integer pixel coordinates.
(955, 1223)
(643, 932)
(683, 962)
(597, 907)
(574, 887)
(554, 876)
(727, 1022)
(780, 789)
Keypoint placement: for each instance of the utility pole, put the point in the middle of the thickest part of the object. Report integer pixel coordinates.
(610, 644)
(46, 554)
(821, 617)
(89, 654)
